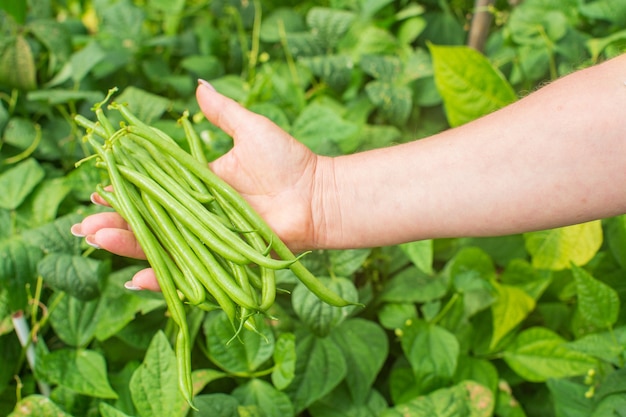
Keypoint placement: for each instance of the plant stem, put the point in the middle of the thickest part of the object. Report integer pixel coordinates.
(23, 334)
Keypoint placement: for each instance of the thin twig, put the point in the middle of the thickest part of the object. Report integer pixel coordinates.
(481, 23)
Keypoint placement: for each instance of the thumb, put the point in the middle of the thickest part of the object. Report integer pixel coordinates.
(225, 112)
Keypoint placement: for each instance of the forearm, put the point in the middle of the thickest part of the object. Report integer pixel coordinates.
(554, 158)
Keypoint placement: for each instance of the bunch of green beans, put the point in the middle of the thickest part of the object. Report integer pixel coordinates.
(207, 246)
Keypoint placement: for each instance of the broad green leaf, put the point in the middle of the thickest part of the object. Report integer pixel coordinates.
(319, 316)
(241, 355)
(334, 70)
(569, 398)
(43, 203)
(17, 9)
(613, 384)
(56, 39)
(37, 405)
(202, 377)
(512, 306)
(597, 303)
(433, 353)
(154, 385)
(605, 10)
(218, 404)
(613, 405)
(18, 271)
(538, 354)
(607, 346)
(19, 181)
(468, 399)
(320, 366)
(344, 263)
(472, 271)
(266, 398)
(56, 236)
(74, 320)
(321, 128)
(76, 275)
(413, 285)
(280, 19)
(394, 315)
(329, 25)
(616, 238)
(107, 410)
(368, 8)
(478, 370)
(382, 67)
(284, 360)
(556, 249)
(520, 274)
(365, 348)
(20, 132)
(339, 403)
(80, 370)
(537, 26)
(118, 306)
(421, 254)
(10, 352)
(147, 106)
(393, 101)
(468, 83)
(17, 53)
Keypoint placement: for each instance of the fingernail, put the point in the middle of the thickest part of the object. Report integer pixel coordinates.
(76, 230)
(130, 286)
(92, 197)
(89, 239)
(206, 84)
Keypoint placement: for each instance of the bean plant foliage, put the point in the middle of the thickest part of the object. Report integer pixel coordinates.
(510, 326)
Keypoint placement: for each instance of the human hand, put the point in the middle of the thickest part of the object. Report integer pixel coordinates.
(271, 170)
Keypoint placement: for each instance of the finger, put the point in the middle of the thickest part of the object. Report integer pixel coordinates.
(226, 113)
(97, 198)
(117, 241)
(144, 280)
(91, 224)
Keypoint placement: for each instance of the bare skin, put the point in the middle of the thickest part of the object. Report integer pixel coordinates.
(554, 158)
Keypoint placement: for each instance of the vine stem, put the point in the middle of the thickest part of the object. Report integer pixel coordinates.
(23, 334)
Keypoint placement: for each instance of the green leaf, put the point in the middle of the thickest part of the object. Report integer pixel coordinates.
(319, 316)
(321, 128)
(519, 273)
(80, 370)
(264, 397)
(394, 315)
(344, 263)
(339, 403)
(107, 410)
(76, 275)
(382, 67)
(43, 203)
(334, 70)
(597, 303)
(55, 236)
(284, 360)
(17, 9)
(18, 271)
(538, 354)
(218, 404)
(18, 182)
(74, 320)
(468, 83)
(421, 253)
(56, 39)
(478, 370)
(328, 24)
(17, 53)
(512, 306)
(242, 355)
(320, 366)
(413, 285)
(556, 249)
(616, 238)
(20, 132)
(433, 353)
(154, 385)
(118, 306)
(607, 346)
(465, 399)
(146, 106)
(37, 405)
(365, 348)
(394, 101)
(569, 398)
